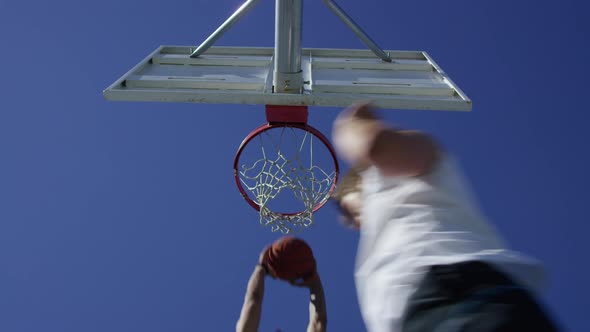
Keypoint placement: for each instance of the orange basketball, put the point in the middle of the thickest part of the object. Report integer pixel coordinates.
(290, 258)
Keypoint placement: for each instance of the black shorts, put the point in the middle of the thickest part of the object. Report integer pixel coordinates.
(473, 296)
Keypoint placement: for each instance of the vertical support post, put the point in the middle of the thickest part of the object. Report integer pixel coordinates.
(287, 76)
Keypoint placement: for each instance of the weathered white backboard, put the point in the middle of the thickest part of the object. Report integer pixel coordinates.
(333, 77)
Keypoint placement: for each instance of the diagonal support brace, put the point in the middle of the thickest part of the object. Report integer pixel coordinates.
(358, 31)
(236, 16)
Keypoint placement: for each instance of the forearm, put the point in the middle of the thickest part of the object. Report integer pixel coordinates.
(255, 289)
(363, 139)
(402, 153)
(252, 307)
(318, 316)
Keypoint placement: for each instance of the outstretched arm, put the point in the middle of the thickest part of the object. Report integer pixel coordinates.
(318, 316)
(252, 308)
(363, 139)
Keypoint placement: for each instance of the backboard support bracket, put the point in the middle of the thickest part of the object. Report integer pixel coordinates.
(288, 76)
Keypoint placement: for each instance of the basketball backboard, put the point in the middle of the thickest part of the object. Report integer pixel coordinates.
(331, 77)
(278, 168)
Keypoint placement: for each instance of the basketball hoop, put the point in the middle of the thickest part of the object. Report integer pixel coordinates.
(278, 174)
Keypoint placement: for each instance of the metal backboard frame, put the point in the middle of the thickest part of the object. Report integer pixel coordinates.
(331, 77)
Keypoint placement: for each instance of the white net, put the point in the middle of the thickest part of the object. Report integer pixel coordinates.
(288, 178)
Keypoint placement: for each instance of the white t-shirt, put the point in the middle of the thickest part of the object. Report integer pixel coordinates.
(409, 224)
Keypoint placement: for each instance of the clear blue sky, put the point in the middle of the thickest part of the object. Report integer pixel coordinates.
(121, 216)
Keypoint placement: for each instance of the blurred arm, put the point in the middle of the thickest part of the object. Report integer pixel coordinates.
(318, 316)
(403, 153)
(363, 139)
(252, 307)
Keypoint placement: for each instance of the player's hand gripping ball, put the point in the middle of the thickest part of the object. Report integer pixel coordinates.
(291, 259)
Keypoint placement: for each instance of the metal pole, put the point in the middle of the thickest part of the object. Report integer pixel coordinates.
(287, 76)
(245, 8)
(358, 31)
